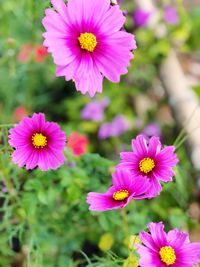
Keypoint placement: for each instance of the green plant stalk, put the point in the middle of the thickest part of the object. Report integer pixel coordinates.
(124, 216)
(183, 131)
(185, 138)
(9, 125)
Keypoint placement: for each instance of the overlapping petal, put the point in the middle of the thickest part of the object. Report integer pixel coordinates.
(122, 180)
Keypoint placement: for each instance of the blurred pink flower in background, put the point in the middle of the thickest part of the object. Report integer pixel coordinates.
(138, 123)
(124, 188)
(150, 160)
(37, 143)
(19, 113)
(77, 143)
(152, 129)
(94, 111)
(167, 249)
(171, 15)
(4, 189)
(117, 127)
(40, 53)
(141, 17)
(87, 42)
(25, 53)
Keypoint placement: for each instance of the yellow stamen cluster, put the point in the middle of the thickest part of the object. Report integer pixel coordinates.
(167, 255)
(87, 41)
(120, 195)
(39, 140)
(146, 165)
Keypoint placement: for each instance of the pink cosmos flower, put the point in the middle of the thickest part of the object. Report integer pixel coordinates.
(124, 189)
(87, 42)
(150, 160)
(163, 249)
(25, 53)
(78, 143)
(37, 143)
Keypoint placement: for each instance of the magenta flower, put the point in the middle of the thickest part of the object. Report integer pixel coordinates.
(117, 127)
(150, 160)
(171, 15)
(94, 111)
(124, 189)
(141, 17)
(87, 42)
(37, 143)
(163, 249)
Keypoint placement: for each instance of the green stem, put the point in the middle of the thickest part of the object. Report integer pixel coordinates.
(183, 131)
(7, 125)
(186, 137)
(179, 137)
(125, 222)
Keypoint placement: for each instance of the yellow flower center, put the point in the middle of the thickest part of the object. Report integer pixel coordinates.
(167, 255)
(120, 195)
(146, 165)
(87, 41)
(39, 140)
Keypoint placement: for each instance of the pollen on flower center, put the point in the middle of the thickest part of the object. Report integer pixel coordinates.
(39, 140)
(87, 41)
(120, 195)
(146, 165)
(167, 255)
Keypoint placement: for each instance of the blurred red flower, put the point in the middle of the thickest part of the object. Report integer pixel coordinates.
(27, 50)
(25, 53)
(19, 113)
(40, 53)
(77, 143)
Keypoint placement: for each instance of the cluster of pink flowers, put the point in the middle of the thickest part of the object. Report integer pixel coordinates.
(149, 162)
(87, 41)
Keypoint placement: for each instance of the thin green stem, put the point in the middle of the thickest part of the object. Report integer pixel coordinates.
(125, 222)
(186, 137)
(183, 131)
(179, 137)
(7, 125)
